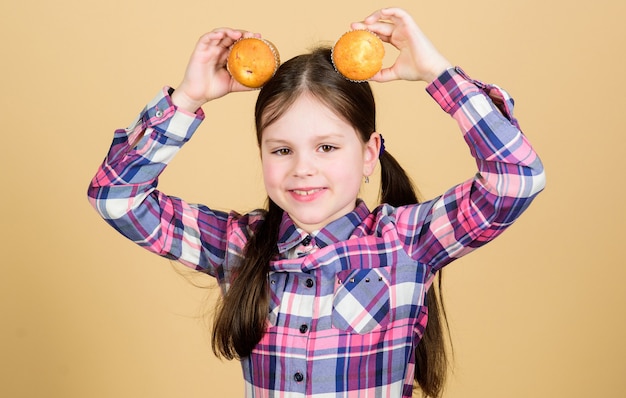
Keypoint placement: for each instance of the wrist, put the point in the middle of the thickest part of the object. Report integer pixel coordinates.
(437, 70)
(184, 102)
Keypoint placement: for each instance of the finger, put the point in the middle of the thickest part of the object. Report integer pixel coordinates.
(211, 39)
(386, 14)
(383, 29)
(367, 21)
(238, 87)
(232, 36)
(394, 13)
(223, 37)
(373, 17)
(368, 26)
(247, 34)
(385, 75)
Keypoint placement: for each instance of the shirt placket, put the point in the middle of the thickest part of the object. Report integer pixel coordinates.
(302, 290)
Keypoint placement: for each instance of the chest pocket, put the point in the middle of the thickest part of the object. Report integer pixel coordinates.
(361, 301)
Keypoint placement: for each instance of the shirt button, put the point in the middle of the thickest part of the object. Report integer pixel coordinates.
(304, 328)
(309, 282)
(298, 377)
(159, 113)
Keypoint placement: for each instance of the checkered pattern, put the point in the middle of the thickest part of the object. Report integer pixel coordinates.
(347, 303)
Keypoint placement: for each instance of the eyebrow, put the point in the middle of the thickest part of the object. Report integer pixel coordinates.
(274, 141)
(317, 138)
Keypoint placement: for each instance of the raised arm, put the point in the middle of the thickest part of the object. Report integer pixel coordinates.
(124, 189)
(510, 174)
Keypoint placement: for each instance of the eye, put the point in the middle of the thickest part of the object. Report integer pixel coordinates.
(282, 151)
(326, 148)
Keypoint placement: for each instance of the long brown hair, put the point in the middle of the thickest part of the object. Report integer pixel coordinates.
(241, 316)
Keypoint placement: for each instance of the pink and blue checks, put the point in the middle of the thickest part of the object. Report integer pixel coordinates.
(347, 302)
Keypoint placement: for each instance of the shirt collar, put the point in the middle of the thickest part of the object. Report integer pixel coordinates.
(289, 235)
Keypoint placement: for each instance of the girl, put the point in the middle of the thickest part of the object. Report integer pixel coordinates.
(322, 296)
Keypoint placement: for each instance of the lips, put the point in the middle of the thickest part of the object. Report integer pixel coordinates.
(306, 194)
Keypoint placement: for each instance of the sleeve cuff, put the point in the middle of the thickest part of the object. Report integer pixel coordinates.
(163, 116)
(450, 87)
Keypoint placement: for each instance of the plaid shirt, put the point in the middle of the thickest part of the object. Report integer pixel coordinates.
(347, 302)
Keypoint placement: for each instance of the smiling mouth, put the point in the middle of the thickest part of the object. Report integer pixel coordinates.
(306, 192)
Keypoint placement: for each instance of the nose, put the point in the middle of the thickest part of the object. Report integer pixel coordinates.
(304, 165)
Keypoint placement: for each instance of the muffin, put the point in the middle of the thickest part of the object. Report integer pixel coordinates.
(358, 55)
(252, 61)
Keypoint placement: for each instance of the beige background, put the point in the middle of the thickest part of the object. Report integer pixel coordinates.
(84, 313)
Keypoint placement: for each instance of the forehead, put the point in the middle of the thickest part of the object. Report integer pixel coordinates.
(307, 115)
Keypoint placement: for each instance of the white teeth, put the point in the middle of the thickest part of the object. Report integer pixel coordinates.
(305, 193)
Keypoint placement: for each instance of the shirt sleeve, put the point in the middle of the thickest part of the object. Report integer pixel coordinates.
(124, 193)
(510, 175)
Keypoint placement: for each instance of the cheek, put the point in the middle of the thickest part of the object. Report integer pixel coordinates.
(347, 179)
(271, 173)
(349, 169)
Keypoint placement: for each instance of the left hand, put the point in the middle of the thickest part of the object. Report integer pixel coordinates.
(418, 58)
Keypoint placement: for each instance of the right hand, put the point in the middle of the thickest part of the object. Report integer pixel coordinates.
(206, 77)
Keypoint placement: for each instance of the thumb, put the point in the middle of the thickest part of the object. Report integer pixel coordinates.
(385, 75)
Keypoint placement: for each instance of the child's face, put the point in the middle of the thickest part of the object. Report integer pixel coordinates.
(314, 163)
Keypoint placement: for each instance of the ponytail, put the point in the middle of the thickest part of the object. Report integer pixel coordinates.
(431, 360)
(242, 313)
